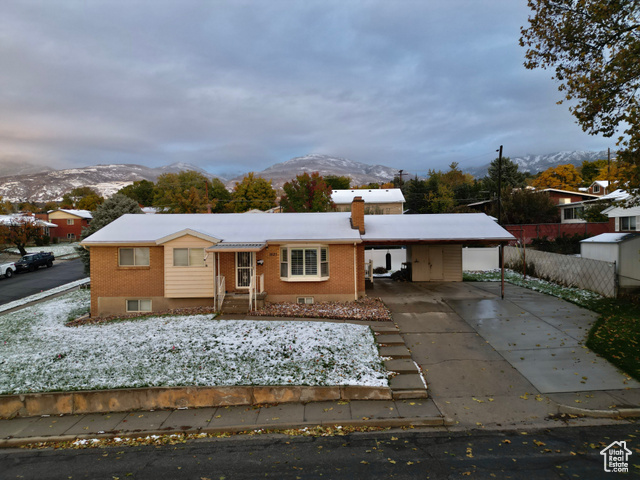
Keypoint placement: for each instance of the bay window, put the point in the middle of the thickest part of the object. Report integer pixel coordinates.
(304, 263)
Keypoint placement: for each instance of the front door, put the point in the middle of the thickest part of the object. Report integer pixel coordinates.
(244, 269)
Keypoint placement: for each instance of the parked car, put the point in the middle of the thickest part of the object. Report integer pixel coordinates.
(33, 261)
(7, 269)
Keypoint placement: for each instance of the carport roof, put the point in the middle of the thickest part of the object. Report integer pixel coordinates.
(434, 228)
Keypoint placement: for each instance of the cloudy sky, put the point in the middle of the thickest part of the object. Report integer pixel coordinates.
(235, 85)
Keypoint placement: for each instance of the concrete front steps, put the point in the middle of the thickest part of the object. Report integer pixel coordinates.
(408, 381)
(238, 303)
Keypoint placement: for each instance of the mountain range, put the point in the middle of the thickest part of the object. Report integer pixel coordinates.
(20, 181)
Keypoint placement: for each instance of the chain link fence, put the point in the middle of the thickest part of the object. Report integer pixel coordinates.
(594, 275)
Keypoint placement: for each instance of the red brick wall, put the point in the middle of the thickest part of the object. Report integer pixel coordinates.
(63, 229)
(110, 280)
(553, 230)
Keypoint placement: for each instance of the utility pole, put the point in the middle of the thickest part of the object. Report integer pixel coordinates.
(608, 169)
(499, 185)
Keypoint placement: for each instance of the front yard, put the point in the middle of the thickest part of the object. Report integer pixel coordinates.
(38, 353)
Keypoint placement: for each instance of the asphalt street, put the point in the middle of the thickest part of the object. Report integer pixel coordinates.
(560, 452)
(28, 283)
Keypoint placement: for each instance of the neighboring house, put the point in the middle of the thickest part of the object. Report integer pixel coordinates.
(562, 197)
(572, 212)
(624, 219)
(162, 262)
(599, 187)
(621, 248)
(377, 200)
(70, 223)
(13, 219)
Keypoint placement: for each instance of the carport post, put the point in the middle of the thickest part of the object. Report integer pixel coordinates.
(502, 271)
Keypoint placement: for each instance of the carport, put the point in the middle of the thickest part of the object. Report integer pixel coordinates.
(434, 242)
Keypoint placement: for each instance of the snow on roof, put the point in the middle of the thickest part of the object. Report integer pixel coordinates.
(229, 227)
(375, 195)
(17, 218)
(602, 183)
(78, 213)
(611, 238)
(582, 194)
(440, 226)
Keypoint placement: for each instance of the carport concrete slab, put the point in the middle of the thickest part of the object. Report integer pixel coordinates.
(327, 412)
(550, 306)
(466, 378)
(279, 414)
(522, 333)
(235, 415)
(590, 400)
(431, 348)
(143, 421)
(495, 410)
(433, 322)
(472, 311)
(50, 426)
(374, 409)
(96, 422)
(11, 428)
(408, 305)
(558, 370)
(194, 418)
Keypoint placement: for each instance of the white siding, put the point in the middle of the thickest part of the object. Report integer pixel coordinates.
(452, 256)
(629, 269)
(187, 282)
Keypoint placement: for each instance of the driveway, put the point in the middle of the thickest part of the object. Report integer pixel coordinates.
(494, 361)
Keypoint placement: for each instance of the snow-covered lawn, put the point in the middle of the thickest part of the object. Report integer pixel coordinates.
(60, 250)
(38, 353)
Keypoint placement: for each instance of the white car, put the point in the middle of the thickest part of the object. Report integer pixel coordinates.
(7, 269)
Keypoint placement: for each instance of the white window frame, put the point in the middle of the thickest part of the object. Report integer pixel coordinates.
(631, 224)
(70, 221)
(134, 257)
(596, 188)
(189, 257)
(139, 309)
(71, 236)
(322, 263)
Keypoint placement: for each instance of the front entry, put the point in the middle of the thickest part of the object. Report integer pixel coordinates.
(244, 269)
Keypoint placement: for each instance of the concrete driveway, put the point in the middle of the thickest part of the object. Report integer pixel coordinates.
(490, 361)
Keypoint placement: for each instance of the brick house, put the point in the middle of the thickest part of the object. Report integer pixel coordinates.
(162, 262)
(70, 223)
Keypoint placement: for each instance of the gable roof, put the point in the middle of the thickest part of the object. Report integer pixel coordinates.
(86, 214)
(374, 195)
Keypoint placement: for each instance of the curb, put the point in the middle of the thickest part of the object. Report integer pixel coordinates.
(382, 423)
(633, 412)
(42, 296)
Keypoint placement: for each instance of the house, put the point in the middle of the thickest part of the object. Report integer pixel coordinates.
(599, 187)
(70, 223)
(572, 212)
(624, 219)
(621, 248)
(7, 221)
(377, 200)
(562, 197)
(161, 262)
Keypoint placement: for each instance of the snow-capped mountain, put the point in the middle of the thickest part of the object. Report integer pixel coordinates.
(539, 163)
(359, 173)
(104, 179)
(16, 167)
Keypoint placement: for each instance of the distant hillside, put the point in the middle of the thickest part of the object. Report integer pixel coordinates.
(359, 173)
(14, 167)
(105, 179)
(539, 163)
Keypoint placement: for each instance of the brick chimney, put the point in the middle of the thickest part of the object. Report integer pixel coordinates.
(357, 214)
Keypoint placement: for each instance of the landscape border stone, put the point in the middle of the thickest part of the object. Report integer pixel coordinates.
(155, 398)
